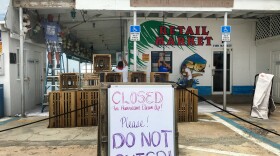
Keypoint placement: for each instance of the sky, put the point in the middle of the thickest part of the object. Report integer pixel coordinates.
(3, 8)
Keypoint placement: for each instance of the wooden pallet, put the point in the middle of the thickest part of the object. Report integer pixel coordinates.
(90, 81)
(137, 77)
(87, 115)
(101, 62)
(54, 102)
(113, 77)
(61, 103)
(159, 76)
(186, 105)
(68, 81)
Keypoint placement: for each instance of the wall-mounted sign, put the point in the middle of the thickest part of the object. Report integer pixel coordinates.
(226, 37)
(135, 32)
(182, 3)
(226, 30)
(161, 60)
(145, 57)
(221, 45)
(141, 120)
(1, 64)
(1, 48)
(134, 36)
(180, 35)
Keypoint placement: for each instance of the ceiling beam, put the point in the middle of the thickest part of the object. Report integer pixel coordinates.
(233, 15)
(160, 14)
(147, 13)
(219, 15)
(204, 15)
(189, 15)
(248, 15)
(177, 14)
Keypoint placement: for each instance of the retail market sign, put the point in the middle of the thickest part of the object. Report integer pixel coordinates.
(181, 35)
(136, 116)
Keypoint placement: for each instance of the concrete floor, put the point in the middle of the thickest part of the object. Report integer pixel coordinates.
(213, 135)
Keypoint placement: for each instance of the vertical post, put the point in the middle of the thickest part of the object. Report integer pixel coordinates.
(53, 70)
(225, 69)
(80, 75)
(135, 44)
(86, 67)
(21, 40)
(67, 65)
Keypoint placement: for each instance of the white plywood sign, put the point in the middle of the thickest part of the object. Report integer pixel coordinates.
(141, 120)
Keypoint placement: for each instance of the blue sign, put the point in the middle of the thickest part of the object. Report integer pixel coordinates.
(226, 29)
(135, 29)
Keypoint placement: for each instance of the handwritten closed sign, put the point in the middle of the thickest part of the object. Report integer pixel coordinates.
(141, 120)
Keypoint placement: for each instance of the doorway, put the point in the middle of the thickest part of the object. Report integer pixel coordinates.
(33, 85)
(217, 72)
(275, 70)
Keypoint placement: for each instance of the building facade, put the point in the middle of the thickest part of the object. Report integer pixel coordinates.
(183, 35)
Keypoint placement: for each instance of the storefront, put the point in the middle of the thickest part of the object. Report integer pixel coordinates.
(196, 44)
(183, 33)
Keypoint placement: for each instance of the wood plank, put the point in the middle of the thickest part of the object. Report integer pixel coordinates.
(57, 103)
(187, 102)
(73, 107)
(103, 123)
(79, 99)
(51, 110)
(195, 106)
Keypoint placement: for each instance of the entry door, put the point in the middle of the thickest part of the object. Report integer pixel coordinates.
(33, 80)
(275, 70)
(217, 72)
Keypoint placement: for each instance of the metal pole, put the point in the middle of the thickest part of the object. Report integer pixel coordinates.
(80, 74)
(225, 69)
(135, 44)
(21, 41)
(67, 68)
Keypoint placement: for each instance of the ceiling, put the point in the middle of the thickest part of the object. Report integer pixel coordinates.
(102, 29)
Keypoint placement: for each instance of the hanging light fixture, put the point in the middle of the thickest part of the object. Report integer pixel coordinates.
(73, 13)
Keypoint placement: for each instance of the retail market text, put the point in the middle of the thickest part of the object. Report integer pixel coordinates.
(180, 35)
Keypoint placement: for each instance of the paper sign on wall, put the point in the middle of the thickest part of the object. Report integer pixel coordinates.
(1, 48)
(141, 120)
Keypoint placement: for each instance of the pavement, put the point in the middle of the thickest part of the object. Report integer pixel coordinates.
(216, 133)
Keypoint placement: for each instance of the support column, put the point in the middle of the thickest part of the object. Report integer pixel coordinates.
(225, 69)
(135, 44)
(21, 42)
(67, 66)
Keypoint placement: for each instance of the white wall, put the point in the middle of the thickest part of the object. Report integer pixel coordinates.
(33, 52)
(125, 5)
(256, 4)
(264, 49)
(243, 45)
(4, 79)
(244, 52)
